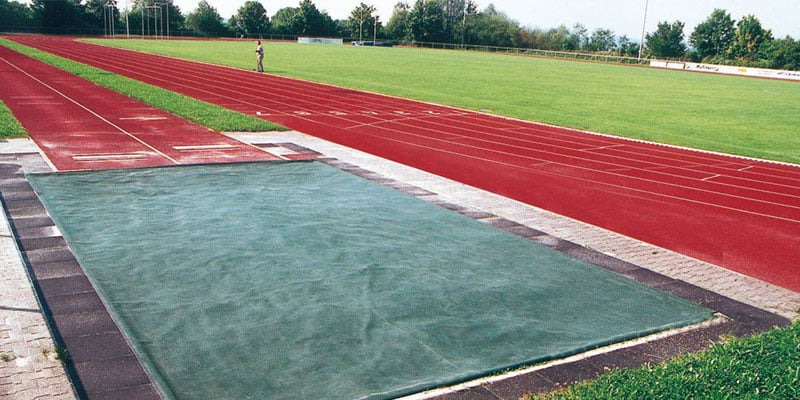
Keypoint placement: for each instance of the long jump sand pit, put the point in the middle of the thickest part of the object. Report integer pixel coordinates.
(297, 280)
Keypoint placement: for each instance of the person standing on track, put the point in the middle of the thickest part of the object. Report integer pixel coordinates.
(260, 56)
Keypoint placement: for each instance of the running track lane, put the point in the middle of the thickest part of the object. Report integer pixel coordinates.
(740, 214)
(82, 126)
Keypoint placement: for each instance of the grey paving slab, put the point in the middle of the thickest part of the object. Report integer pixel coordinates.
(32, 371)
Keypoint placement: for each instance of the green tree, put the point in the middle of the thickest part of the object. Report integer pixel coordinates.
(206, 20)
(556, 37)
(174, 18)
(714, 36)
(361, 19)
(577, 39)
(398, 26)
(551, 39)
(667, 40)
(99, 11)
(468, 10)
(309, 21)
(250, 19)
(749, 39)
(784, 54)
(304, 20)
(627, 47)
(426, 22)
(456, 13)
(14, 16)
(602, 40)
(59, 16)
(493, 28)
(284, 21)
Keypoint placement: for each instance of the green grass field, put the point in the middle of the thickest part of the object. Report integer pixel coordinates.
(763, 367)
(751, 117)
(9, 126)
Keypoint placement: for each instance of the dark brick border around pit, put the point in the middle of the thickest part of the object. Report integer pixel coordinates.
(102, 364)
(97, 356)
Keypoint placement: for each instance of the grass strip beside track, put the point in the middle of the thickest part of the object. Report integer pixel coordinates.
(744, 116)
(208, 115)
(9, 126)
(765, 366)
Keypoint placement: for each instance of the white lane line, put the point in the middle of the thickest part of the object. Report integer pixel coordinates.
(604, 147)
(625, 189)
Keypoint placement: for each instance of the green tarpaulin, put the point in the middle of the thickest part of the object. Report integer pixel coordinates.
(300, 281)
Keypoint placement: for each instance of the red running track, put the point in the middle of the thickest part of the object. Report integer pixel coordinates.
(737, 213)
(82, 126)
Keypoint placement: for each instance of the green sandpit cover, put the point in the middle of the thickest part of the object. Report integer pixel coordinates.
(300, 281)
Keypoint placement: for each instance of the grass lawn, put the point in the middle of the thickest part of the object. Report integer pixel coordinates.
(9, 126)
(762, 367)
(209, 115)
(745, 116)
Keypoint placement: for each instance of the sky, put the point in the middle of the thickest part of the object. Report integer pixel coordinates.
(624, 17)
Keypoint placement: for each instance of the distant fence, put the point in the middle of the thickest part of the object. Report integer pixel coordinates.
(608, 58)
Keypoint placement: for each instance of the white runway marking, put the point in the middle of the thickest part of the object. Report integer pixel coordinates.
(143, 118)
(109, 157)
(205, 147)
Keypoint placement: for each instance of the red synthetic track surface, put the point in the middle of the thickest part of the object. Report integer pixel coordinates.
(740, 214)
(81, 126)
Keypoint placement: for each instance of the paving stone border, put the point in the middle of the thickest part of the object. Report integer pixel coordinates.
(95, 354)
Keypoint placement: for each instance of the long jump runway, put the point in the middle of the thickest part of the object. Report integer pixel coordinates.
(738, 213)
(80, 125)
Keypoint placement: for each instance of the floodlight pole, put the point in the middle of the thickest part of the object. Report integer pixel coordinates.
(156, 22)
(158, 12)
(464, 26)
(108, 18)
(644, 26)
(105, 20)
(375, 32)
(127, 24)
(166, 5)
(360, 24)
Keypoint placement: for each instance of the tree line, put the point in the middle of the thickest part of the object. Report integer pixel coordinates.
(719, 39)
